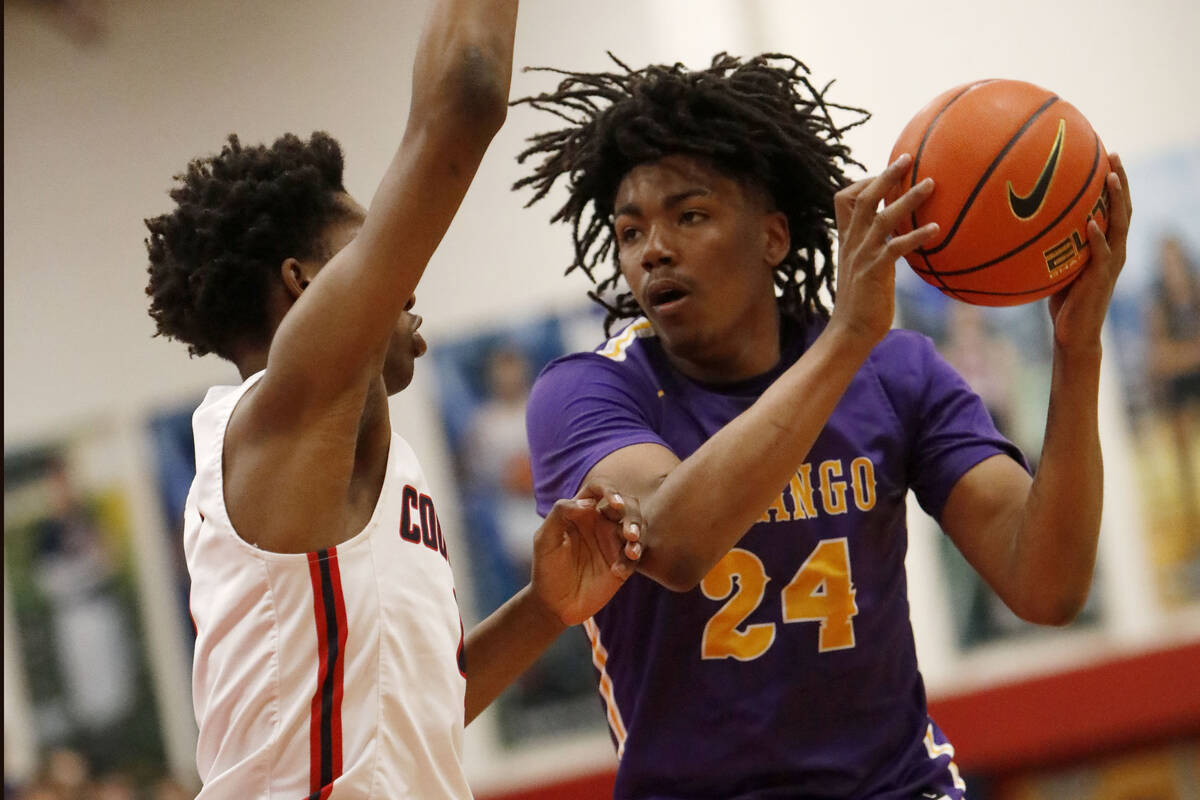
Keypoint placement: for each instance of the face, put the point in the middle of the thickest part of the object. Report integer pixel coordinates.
(406, 344)
(698, 250)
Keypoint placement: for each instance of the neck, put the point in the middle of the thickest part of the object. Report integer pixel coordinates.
(374, 427)
(249, 363)
(750, 349)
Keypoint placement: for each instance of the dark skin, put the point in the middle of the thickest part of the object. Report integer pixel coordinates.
(306, 448)
(281, 488)
(732, 238)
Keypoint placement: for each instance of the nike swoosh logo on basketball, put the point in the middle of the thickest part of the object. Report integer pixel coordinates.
(1025, 206)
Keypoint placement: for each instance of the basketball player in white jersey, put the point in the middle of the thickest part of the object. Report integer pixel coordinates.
(330, 660)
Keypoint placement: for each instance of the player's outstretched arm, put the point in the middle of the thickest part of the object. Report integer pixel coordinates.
(582, 554)
(697, 509)
(1034, 541)
(334, 338)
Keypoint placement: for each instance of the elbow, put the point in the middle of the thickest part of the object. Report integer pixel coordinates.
(675, 572)
(1057, 610)
(477, 90)
(678, 581)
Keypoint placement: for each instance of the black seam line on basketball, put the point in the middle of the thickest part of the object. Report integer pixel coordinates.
(1069, 207)
(916, 163)
(1050, 285)
(912, 180)
(929, 270)
(331, 659)
(1031, 204)
(988, 173)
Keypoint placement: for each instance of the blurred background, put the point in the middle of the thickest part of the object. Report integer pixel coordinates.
(105, 100)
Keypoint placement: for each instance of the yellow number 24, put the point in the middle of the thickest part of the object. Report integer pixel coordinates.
(820, 591)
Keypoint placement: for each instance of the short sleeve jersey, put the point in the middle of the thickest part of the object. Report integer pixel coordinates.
(791, 670)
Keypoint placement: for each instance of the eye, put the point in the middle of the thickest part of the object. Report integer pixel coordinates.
(627, 234)
(692, 216)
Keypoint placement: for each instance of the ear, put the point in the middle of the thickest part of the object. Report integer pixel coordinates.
(295, 277)
(778, 237)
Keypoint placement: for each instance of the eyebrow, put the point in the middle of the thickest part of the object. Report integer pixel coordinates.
(634, 210)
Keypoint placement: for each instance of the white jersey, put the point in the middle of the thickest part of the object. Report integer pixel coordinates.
(334, 674)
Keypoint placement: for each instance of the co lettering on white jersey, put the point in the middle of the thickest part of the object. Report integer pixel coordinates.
(419, 522)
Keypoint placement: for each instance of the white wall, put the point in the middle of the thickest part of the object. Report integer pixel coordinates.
(1131, 68)
(92, 136)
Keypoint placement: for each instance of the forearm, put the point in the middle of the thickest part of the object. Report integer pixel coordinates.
(1054, 550)
(504, 645)
(1035, 542)
(711, 499)
(461, 79)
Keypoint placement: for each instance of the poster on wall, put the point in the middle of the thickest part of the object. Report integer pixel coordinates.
(483, 381)
(71, 575)
(1004, 354)
(1154, 326)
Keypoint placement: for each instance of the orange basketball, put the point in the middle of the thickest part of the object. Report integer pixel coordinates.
(1017, 173)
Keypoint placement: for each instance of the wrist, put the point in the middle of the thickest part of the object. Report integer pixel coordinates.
(848, 341)
(1085, 355)
(538, 612)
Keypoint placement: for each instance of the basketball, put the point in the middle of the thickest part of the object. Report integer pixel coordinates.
(1017, 172)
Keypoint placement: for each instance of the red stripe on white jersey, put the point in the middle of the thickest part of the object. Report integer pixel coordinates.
(325, 724)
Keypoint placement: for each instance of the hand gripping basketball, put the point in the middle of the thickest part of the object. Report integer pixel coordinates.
(867, 253)
(1078, 310)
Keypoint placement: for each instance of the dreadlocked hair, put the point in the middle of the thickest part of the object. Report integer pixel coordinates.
(237, 216)
(759, 121)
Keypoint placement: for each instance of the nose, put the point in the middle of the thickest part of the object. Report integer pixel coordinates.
(412, 301)
(658, 250)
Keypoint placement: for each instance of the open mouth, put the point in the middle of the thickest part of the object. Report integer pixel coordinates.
(665, 294)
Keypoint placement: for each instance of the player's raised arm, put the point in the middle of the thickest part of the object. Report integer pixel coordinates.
(1035, 541)
(334, 338)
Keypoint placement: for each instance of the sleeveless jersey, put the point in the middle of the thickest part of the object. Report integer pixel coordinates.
(790, 671)
(332, 674)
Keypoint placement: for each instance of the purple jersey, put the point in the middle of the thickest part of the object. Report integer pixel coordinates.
(791, 670)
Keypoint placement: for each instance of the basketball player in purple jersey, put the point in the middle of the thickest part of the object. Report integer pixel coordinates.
(765, 648)
(329, 653)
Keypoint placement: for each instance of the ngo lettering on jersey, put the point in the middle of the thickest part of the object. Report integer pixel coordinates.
(830, 488)
(419, 522)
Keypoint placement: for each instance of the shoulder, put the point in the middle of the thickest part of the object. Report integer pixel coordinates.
(212, 416)
(904, 358)
(624, 360)
(892, 354)
(911, 372)
(589, 398)
(903, 342)
(629, 342)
